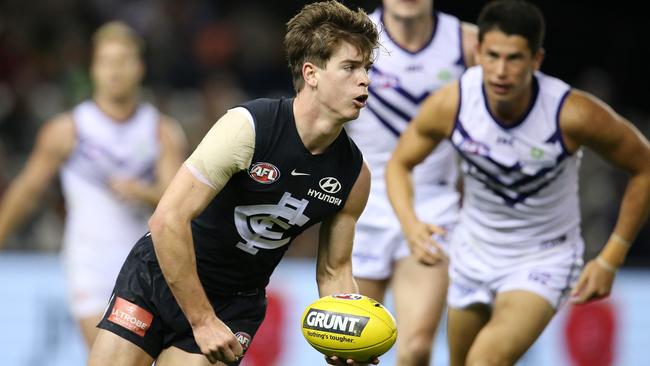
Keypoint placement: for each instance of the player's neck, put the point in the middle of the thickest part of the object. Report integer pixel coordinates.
(119, 109)
(317, 129)
(411, 34)
(511, 111)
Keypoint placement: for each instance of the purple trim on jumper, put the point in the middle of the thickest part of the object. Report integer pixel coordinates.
(508, 169)
(376, 97)
(384, 122)
(557, 136)
(426, 44)
(520, 196)
(461, 58)
(460, 103)
(531, 104)
(415, 99)
(567, 286)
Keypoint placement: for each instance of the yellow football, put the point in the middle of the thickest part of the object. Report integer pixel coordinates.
(350, 326)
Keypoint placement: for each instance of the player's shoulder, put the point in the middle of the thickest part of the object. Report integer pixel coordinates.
(267, 113)
(446, 99)
(262, 104)
(58, 134)
(469, 40)
(60, 125)
(584, 117)
(168, 122)
(579, 108)
(439, 111)
(171, 129)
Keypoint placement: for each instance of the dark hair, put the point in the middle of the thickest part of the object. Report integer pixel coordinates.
(319, 28)
(513, 17)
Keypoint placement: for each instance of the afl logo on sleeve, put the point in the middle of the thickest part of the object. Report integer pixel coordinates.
(265, 173)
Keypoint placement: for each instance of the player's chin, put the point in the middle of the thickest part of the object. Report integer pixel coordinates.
(354, 113)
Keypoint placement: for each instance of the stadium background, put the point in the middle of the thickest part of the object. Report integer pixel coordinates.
(205, 56)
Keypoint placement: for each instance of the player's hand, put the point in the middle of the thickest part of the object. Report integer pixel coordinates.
(126, 189)
(595, 283)
(216, 341)
(341, 362)
(423, 247)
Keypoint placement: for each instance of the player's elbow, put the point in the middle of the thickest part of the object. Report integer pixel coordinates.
(156, 223)
(161, 220)
(398, 165)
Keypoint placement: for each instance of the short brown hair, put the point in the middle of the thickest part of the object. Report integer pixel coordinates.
(319, 28)
(118, 31)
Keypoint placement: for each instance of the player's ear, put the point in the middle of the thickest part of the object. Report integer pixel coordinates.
(538, 58)
(309, 73)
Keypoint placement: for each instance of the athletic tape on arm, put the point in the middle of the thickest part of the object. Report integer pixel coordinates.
(225, 150)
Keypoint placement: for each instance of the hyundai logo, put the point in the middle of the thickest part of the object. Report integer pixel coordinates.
(330, 185)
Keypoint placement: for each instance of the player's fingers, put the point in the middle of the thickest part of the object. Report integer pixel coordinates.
(211, 358)
(229, 355)
(586, 293)
(579, 285)
(332, 360)
(421, 254)
(438, 251)
(237, 348)
(433, 229)
(429, 259)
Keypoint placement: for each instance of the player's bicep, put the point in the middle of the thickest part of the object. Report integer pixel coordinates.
(587, 121)
(184, 199)
(54, 143)
(432, 124)
(225, 150)
(173, 144)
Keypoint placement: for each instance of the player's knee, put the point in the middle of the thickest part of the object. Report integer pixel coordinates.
(415, 350)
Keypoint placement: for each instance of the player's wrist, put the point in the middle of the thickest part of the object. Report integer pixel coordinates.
(604, 264)
(615, 238)
(615, 250)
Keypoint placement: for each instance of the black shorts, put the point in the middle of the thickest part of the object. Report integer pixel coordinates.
(143, 310)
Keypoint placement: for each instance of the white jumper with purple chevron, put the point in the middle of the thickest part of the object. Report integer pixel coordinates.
(400, 81)
(100, 228)
(521, 185)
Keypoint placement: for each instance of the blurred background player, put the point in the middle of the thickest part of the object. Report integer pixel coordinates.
(421, 50)
(193, 291)
(115, 155)
(517, 250)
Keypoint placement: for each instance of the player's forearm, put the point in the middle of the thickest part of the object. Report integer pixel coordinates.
(633, 212)
(149, 193)
(333, 282)
(17, 203)
(175, 252)
(400, 191)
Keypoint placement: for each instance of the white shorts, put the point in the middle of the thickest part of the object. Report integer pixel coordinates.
(90, 279)
(477, 278)
(379, 242)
